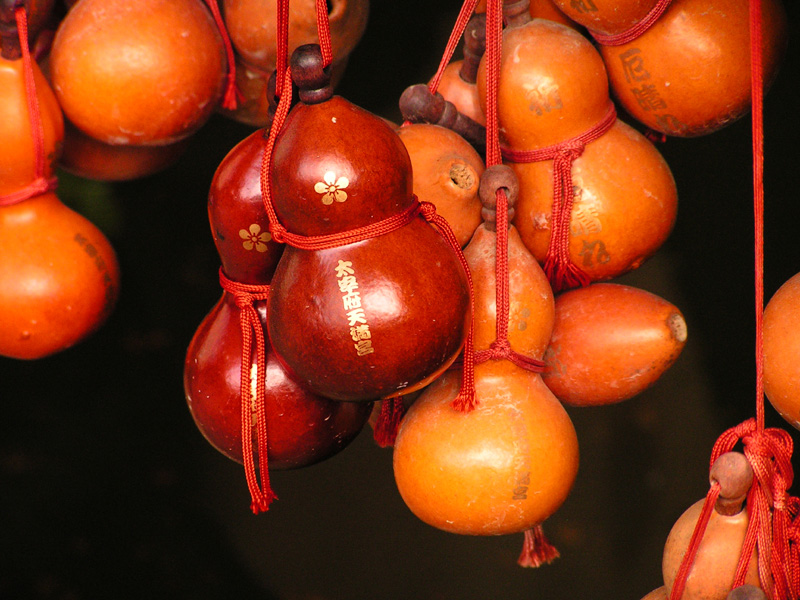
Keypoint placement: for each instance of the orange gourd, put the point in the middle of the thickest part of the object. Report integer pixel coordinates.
(139, 73)
(59, 277)
(782, 351)
(446, 172)
(507, 465)
(610, 342)
(712, 574)
(458, 81)
(552, 88)
(689, 73)
(58, 274)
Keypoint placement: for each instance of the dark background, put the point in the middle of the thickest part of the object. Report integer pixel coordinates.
(107, 489)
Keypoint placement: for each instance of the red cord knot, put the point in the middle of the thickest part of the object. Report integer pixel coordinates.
(427, 210)
(277, 231)
(35, 188)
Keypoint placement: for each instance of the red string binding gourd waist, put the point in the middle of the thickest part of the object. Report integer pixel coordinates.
(37, 187)
(322, 242)
(558, 266)
(618, 39)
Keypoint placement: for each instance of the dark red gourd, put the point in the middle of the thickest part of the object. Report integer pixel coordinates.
(302, 428)
(372, 318)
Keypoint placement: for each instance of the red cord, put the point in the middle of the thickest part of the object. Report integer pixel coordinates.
(562, 272)
(40, 184)
(697, 536)
(618, 39)
(252, 335)
(231, 95)
(324, 33)
(455, 36)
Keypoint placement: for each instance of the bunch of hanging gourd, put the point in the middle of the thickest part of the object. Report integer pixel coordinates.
(157, 71)
(508, 463)
(59, 276)
(324, 309)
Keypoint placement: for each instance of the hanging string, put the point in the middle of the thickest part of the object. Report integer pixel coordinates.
(618, 39)
(452, 43)
(41, 183)
(324, 32)
(562, 272)
(253, 400)
(391, 413)
(231, 95)
(694, 543)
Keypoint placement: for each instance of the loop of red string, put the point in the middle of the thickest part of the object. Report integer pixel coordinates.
(562, 272)
(246, 295)
(41, 183)
(618, 39)
(231, 95)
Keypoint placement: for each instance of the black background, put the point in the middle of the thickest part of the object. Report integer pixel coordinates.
(107, 489)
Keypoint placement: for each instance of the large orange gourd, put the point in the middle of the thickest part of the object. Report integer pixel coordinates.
(507, 465)
(366, 318)
(553, 88)
(689, 73)
(58, 273)
(138, 73)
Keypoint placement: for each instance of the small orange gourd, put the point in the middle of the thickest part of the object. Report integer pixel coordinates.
(611, 342)
(712, 574)
(446, 172)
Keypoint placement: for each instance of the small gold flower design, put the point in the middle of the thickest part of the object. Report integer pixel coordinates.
(332, 188)
(253, 238)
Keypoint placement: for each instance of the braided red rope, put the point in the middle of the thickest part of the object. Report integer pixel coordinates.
(452, 43)
(232, 95)
(40, 184)
(562, 272)
(252, 335)
(536, 549)
(324, 32)
(618, 39)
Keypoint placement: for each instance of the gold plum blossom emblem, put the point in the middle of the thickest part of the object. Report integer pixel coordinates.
(253, 238)
(332, 188)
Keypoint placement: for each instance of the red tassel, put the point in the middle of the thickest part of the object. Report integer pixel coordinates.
(392, 412)
(536, 550)
(232, 94)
